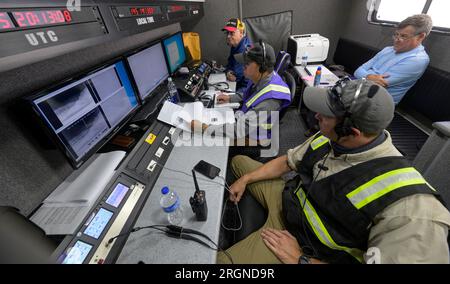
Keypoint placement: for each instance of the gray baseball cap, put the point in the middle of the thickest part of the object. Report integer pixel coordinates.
(371, 111)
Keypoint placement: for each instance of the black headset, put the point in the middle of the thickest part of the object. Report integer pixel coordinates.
(263, 67)
(344, 128)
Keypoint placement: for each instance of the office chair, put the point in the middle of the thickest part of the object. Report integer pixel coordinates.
(282, 62)
(290, 81)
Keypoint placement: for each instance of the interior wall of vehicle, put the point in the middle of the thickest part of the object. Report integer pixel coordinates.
(360, 30)
(324, 17)
(209, 27)
(30, 169)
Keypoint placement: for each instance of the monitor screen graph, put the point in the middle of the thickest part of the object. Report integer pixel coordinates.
(174, 51)
(149, 69)
(82, 113)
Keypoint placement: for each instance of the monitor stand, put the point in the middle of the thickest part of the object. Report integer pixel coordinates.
(151, 108)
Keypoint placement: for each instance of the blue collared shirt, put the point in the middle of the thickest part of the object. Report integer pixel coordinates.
(236, 67)
(404, 69)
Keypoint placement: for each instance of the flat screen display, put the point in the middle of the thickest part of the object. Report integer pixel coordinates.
(81, 114)
(149, 69)
(77, 254)
(174, 51)
(117, 195)
(98, 223)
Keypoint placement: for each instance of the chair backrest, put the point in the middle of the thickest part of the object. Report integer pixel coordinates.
(282, 62)
(290, 81)
(352, 54)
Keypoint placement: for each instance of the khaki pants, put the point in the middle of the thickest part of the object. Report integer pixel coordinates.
(268, 193)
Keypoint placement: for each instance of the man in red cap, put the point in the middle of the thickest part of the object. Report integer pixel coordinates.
(239, 42)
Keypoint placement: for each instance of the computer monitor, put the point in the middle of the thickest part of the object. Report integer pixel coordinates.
(174, 51)
(83, 113)
(149, 69)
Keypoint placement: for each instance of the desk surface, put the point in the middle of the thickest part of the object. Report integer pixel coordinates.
(327, 79)
(151, 246)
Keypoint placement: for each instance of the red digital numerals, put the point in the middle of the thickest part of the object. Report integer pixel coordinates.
(5, 21)
(39, 18)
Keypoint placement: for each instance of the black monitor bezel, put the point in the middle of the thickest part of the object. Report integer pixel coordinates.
(52, 135)
(166, 56)
(128, 67)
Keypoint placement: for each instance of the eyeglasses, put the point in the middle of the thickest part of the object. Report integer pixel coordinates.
(335, 96)
(397, 36)
(228, 33)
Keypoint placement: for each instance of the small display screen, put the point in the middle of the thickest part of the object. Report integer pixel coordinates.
(174, 51)
(149, 69)
(117, 195)
(41, 18)
(98, 223)
(5, 22)
(77, 253)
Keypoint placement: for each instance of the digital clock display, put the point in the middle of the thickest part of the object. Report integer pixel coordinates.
(176, 8)
(144, 11)
(26, 19)
(5, 21)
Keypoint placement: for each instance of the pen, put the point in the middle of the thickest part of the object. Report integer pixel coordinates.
(324, 83)
(307, 71)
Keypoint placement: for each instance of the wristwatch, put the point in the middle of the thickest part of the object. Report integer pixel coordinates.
(304, 259)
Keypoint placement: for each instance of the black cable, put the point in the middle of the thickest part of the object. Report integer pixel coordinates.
(135, 229)
(227, 187)
(218, 87)
(182, 230)
(179, 233)
(322, 167)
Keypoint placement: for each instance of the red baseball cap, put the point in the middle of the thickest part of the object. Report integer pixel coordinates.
(233, 24)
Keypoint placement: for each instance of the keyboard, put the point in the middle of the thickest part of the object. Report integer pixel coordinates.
(149, 109)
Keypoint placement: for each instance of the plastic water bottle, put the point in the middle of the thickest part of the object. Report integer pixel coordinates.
(317, 77)
(173, 93)
(304, 60)
(170, 203)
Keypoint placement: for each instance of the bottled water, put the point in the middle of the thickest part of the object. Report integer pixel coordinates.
(173, 93)
(317, 77)
(304, 60)
(170, 203)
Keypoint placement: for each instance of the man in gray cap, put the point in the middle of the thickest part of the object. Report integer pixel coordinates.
(265, 93)
(355, 199)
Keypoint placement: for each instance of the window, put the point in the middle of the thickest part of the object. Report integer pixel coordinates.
(439, 13)
(391, 12)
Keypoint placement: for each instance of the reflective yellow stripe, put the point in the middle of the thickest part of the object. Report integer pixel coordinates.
(383, 184)
(319, 142)
(319, 228)
(266, 126)
(268, 88)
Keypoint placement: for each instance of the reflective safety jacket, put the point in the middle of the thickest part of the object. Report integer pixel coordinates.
(331, 218)
(277, 89)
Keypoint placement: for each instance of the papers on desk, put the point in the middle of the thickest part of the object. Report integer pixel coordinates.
(217, 78)
(311, 70)
(327, 77)
(181, 116)
(63, 211)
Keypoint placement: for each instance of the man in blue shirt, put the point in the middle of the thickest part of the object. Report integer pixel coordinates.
(398, 67)
(239, 42)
